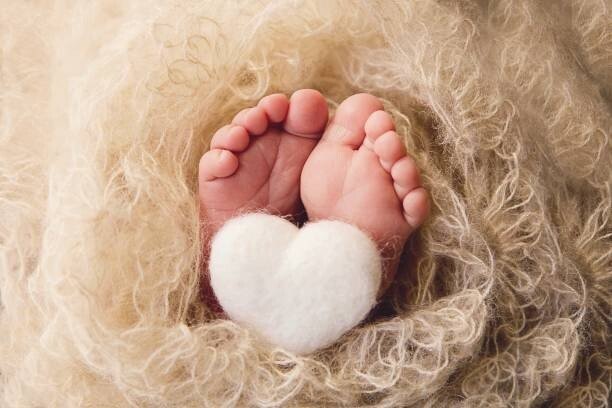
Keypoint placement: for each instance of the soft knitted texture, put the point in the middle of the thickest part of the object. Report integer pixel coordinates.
(503, 298)
(301, 289)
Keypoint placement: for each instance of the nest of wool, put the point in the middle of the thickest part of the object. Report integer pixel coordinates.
(503, 296)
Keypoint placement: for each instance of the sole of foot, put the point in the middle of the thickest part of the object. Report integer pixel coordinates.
(360, 173)
(255, 163)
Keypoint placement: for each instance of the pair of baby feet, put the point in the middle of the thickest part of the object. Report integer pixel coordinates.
(283, 156)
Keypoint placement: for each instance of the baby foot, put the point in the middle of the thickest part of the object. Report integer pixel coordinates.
(360, 173)
(255, 163)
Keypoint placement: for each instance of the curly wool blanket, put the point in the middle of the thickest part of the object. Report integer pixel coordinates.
(503, 297)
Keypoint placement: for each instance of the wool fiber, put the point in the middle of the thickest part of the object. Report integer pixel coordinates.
(300, 289)
(502, 298)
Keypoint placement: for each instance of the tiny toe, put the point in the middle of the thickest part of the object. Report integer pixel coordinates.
(253, 119)
(406, 177)
(275, 106)
(217, 163)
(307, 114)
(347, 126)
(378, 123)
(240, 117)
(389, 149)
(416, 207)
(231, 137)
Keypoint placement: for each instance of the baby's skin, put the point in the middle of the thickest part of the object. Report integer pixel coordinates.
(282, 157)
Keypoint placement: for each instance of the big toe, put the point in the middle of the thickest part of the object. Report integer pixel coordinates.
(307, 115)
(348, 125)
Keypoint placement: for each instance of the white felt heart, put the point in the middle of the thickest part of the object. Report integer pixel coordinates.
(301, 289)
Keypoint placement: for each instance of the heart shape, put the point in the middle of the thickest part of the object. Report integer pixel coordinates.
(301, 289)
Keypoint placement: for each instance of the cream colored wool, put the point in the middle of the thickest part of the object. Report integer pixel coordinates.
(503, 297)
(300, 289)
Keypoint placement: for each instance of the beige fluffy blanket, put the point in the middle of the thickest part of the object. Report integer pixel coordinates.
(503, 297)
